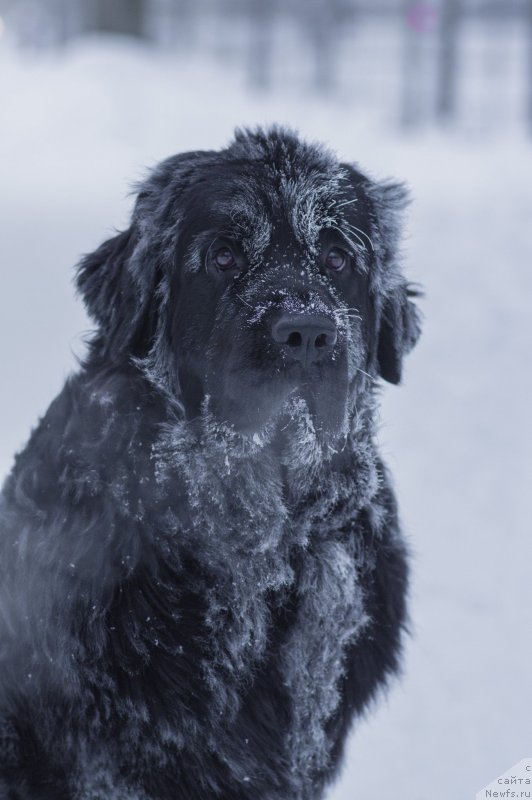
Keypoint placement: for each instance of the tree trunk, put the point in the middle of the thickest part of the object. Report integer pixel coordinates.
(120, 16)
(323, 29)
(412, 71)
(262, 17)
(528, 85)
(447, 61)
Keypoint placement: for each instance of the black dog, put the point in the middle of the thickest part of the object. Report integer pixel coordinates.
(202, 576)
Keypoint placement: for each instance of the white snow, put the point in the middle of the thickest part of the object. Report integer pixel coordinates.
(79, 127)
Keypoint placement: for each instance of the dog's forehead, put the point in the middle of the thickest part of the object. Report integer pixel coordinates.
(274, 195)
(297, 197)
(266, 203)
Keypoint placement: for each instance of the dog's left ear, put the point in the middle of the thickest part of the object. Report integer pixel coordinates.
(396, 324)
(398, 331)
(398, 320)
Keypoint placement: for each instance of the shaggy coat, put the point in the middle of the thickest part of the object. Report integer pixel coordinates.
(202, 577)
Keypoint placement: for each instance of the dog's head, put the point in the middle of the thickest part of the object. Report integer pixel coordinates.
(254, 280)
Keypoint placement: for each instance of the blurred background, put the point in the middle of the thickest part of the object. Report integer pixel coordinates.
(438, 94)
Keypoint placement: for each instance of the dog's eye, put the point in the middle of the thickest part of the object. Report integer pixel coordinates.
(336, 259)
(224, 259)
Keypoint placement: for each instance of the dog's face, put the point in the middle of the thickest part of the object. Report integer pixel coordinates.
(272, 304)
(255, 281)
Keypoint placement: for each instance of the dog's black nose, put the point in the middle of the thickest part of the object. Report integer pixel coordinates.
(308, 337)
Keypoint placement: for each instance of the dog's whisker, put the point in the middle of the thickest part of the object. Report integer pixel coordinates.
(358, 231)
(347, 202)
(351, 312)
(359, 243)
(245, 302)
(366, 374)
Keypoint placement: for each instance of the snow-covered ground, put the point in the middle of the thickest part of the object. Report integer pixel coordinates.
(77, 129)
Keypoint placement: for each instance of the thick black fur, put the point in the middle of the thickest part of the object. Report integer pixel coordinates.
(202, 577)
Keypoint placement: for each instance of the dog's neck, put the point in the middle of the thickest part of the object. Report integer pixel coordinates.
(285, 467)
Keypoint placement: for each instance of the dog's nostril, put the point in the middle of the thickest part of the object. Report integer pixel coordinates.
(294, 339)
(321, 340)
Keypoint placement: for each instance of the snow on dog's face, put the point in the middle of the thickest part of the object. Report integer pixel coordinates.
(257, 280)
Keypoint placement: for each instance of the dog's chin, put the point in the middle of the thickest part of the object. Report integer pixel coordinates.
(254, 400)
(300, 411)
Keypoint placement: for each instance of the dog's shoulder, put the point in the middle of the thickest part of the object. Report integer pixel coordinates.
(74, 508)
(93, 429)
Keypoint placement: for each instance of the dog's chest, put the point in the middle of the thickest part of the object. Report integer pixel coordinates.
(329, 615)
(274, 588)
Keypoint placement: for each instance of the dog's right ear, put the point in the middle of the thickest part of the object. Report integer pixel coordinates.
(117, 294)
(128, 283)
